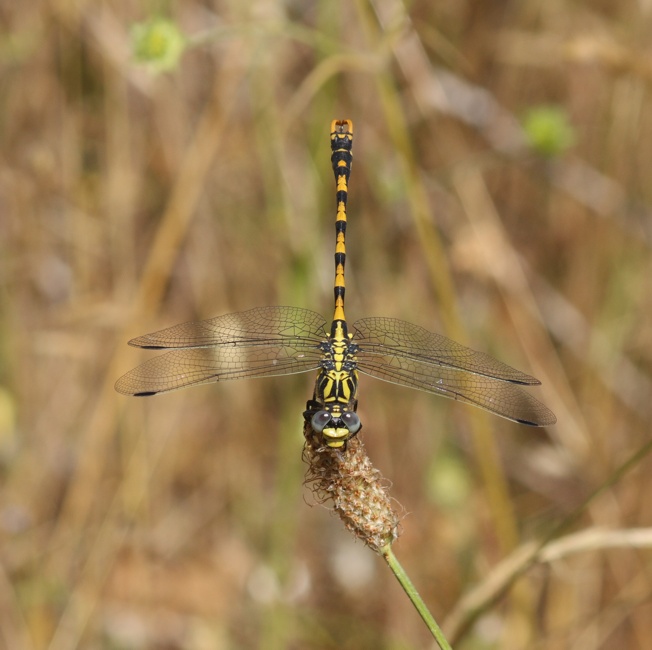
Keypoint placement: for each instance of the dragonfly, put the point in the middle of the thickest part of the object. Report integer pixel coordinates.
(273, 341)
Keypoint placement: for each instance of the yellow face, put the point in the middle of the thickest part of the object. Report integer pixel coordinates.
(335, 438)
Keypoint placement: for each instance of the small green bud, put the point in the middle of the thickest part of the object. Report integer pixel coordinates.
(548, 130)
(449, 485)
(158, 43)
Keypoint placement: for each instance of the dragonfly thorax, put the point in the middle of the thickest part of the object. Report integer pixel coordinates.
(331, 412)
(337, 381)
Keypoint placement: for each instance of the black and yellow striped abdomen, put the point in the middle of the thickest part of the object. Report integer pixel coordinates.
(341, 159)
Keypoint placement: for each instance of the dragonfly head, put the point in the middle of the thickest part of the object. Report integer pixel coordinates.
(335, 428)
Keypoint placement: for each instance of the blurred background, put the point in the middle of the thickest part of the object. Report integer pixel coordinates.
(169, 161)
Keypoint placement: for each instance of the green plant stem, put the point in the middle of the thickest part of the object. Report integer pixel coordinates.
(414, 596)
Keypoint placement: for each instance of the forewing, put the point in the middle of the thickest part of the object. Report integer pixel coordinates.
(499, 397)
(401, 340)
(189, 367)
(262, 324)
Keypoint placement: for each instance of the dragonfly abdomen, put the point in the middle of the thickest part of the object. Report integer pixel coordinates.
(341, 159)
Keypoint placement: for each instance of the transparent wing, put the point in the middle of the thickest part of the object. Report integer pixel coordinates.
(262, 324)
(190, 367)
(261, 342)
(408, 355)
(499, 397)
(397, 340)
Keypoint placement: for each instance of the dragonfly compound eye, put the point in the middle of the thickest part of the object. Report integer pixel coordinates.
(320, 420)
(352, 422)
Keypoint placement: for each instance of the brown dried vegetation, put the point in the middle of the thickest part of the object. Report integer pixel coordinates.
(129, 202)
